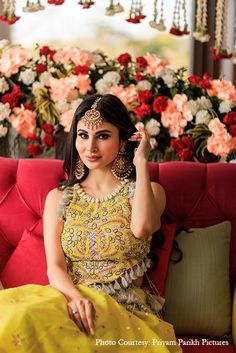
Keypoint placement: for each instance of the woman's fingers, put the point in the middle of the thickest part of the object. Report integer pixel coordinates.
(83, 316)
(90, 313)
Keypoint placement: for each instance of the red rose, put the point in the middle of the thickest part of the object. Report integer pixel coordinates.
(51, 55)
(230, 118)
(28, 106)
(34, 149)
(47, 128)
(145, 96)
(81, 69)
(40, 68)
(138, 76)
(124, 59)
(159, 104)
(56, 2)
(141, 62)
(13, 97)
(31, 137)
(142, 110)
(186, 154)
(48, 140)
(205, 84)
(194, 79)
(232, 130)
(187, 142)
(45, 50)
(176, 145)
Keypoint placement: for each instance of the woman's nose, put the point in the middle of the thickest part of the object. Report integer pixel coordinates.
(92, 146)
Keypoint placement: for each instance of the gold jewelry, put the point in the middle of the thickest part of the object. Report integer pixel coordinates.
(79, 169)
(92, 118)
(122, 167)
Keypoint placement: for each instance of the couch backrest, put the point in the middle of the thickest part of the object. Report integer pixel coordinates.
(198, 195)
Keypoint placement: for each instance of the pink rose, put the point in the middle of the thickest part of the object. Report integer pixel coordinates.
(66, 119)
(12, 59)
(61, 88)
(155, 64)
(83, 83)
(23, 120)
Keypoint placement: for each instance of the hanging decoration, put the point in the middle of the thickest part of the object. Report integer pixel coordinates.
(135, 13)
(158, 21)
(234, 50)
(32, 6)
(9, 8)
(178, 14)
(86, 4)
(112, 9)
(201, 31)
(220, 50)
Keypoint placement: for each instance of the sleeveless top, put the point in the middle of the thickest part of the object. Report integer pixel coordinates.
(97, 241)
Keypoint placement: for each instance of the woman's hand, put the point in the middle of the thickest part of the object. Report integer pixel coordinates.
(144, 147)
(82, 312)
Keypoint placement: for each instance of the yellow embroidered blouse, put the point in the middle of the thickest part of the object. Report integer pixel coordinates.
(97, 240)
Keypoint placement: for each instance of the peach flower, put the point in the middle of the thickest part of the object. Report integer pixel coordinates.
(155, 64)
(83, 83)
(76, 55)
(220, 143)
(66, 119)
(180, 101)
(224, 90)
(61, 88)
(128, 95)
(23, 120)
(12, 59)
(173, 120)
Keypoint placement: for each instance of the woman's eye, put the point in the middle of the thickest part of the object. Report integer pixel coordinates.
(83, 136)
(103, 136)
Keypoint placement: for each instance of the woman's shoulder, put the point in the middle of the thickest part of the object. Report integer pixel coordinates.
(54, 195)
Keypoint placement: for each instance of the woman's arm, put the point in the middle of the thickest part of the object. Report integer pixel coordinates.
(57, 268)
(149, 198)
(1, 286)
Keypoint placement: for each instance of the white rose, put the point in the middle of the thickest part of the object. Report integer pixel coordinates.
(102, 86)
(168, 76)
(112, 77)
(4, 43)
(4, 111)
(153, 143)
(203, 117)
(225, 106)
(62, 106)
(143, 84)
(75, 103)
(153, 127)
(27, 76)
(44, 78)
(204, 103)
(3, 130)
(192, 106)
(3, 85)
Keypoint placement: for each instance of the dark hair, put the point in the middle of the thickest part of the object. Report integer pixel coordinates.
(113, 111)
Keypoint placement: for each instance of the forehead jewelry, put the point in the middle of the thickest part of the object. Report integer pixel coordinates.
(92, 118)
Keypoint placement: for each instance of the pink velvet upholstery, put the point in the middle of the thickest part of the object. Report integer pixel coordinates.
(198, 195)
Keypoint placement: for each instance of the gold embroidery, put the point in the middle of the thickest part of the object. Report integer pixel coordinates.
(99, 249)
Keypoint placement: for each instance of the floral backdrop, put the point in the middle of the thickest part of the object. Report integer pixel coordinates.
(188, 118)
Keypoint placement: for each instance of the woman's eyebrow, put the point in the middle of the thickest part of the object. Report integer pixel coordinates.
(102, 131)
(82, 131)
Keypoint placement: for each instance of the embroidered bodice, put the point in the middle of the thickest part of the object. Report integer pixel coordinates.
(97, 240)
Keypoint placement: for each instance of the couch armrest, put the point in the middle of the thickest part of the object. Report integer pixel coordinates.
(234, 318)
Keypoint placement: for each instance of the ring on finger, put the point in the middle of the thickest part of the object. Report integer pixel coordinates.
(74, 312)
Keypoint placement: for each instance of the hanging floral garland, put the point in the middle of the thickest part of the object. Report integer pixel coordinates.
(234, 50)
(158, 22)
(220, 51)
(32, 6)
(9, 8)
(113, 8)
(179, 12)
(86, 4)
(136, 12)
(201, 31)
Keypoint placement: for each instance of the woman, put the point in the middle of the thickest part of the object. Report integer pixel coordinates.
(97, 231)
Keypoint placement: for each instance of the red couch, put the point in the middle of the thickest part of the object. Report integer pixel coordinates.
(198, 195)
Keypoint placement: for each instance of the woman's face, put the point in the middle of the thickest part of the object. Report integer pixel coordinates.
(99, 147)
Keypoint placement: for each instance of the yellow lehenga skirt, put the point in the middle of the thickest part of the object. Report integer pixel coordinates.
(34, 319)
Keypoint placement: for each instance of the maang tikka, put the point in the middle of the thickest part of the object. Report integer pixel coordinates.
(92, 118)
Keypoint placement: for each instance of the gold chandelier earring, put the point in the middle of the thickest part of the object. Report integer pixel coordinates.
(79, 169)
(122, 167)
